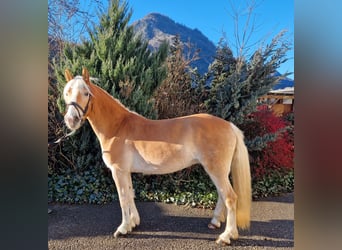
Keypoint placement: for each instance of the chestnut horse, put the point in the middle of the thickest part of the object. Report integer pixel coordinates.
(131, 143)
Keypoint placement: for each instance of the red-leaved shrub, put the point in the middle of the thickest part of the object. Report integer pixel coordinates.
(277, 155)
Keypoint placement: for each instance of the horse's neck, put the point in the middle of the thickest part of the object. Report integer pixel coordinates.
(107, 115)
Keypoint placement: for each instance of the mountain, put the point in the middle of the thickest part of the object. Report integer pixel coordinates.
(156, 28)
(285, 83)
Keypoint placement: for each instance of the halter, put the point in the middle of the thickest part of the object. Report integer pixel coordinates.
(79, 108)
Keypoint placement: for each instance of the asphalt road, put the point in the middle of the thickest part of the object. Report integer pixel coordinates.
(167, 226)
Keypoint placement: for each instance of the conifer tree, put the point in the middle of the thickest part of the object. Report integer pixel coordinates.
(124, 66)
(237, 83)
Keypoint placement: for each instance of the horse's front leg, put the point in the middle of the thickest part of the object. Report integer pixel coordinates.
(130, 216)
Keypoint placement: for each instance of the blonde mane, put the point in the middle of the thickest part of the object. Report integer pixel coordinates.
(94, 82)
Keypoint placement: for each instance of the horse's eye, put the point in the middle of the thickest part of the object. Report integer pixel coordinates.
(86, 94)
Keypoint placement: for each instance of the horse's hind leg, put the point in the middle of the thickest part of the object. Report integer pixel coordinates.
(130, 216)
(228, 200)
(219, 214)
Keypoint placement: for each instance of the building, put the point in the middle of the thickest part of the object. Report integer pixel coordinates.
(281, 101)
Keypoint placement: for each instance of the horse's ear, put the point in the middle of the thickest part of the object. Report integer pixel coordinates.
(68, 75)
(85, 75)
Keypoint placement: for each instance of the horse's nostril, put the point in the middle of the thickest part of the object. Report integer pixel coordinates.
(71, 119)
(68, 119)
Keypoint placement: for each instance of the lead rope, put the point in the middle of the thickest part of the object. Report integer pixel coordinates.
(62, 138)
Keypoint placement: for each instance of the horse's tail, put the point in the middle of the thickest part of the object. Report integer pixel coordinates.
(242, 180)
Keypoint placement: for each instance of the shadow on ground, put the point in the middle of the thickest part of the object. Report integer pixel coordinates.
(167, 222)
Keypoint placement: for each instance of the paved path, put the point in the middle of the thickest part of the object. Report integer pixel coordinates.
(167, 226)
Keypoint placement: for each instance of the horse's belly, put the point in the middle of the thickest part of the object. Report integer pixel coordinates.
(161, 157)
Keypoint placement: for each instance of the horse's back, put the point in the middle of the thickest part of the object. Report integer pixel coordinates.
(204, 134)
(209, 127)
(188, 128)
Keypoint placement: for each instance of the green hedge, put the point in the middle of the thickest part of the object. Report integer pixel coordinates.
(190, 187)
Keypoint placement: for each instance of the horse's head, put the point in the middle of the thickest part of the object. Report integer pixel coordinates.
(77, 96)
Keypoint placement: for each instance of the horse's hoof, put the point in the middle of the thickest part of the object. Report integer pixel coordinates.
(212, 226)
(222, 242)
(118, 233)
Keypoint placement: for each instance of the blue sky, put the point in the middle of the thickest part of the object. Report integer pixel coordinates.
(213, 18)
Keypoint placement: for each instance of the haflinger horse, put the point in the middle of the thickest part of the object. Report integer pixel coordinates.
(131, 143)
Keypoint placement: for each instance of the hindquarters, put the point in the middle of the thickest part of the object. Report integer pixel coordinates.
(215, 142)
(223, 152)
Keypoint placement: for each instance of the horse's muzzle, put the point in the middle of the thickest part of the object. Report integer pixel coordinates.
(72, 121)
